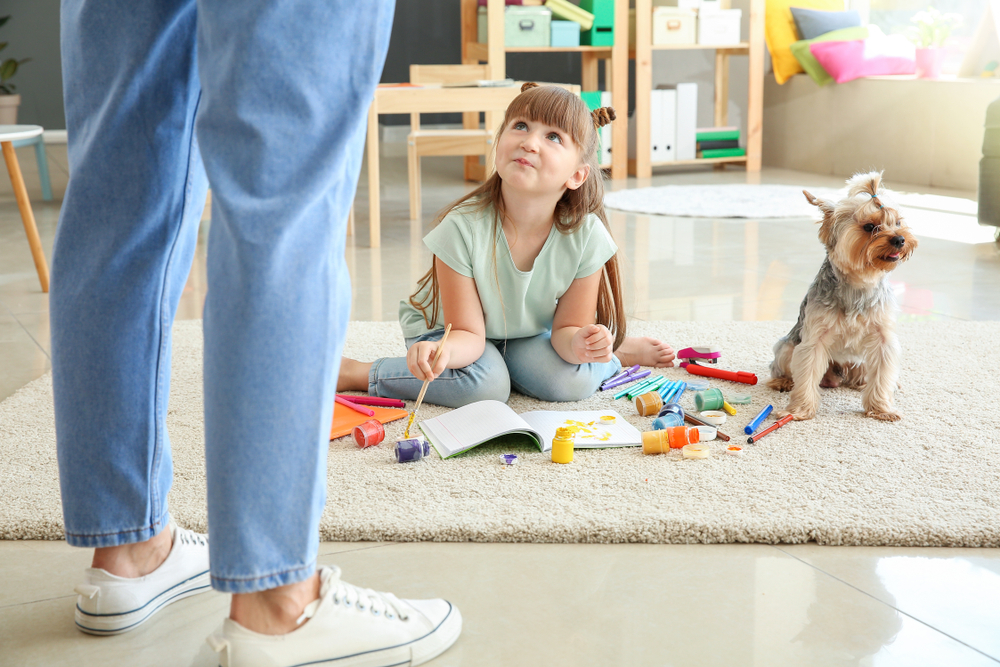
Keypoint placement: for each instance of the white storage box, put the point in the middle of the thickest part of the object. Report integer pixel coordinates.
(719, 27)
(683, 4)
(673, 25)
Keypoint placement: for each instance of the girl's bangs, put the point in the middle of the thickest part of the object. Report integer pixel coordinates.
(552, 106)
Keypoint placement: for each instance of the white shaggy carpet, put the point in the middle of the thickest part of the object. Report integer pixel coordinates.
(931, 479)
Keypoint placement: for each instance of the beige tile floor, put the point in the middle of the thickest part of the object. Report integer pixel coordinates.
(553, 604)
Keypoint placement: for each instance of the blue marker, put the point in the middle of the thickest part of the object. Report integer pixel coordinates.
(666, 389)
(680, 392)
(755, 424)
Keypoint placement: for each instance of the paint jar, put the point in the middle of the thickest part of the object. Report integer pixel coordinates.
(675, 437)
(696, 451)
(710, 399)
(562, 445)
(670, 414)
(411, 449)
(369, 434)
(649, 403)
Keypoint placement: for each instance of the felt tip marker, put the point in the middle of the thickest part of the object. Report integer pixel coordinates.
(623, 373)
(691, 419)
(355, 406)
(732, 376)
(773, 427)
(625, 379)
(755, 424)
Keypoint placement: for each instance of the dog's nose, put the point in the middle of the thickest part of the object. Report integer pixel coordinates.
(898, 240)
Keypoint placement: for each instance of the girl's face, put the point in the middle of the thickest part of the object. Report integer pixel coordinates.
(539, 159)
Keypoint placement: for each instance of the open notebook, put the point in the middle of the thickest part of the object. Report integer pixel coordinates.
(462, 429)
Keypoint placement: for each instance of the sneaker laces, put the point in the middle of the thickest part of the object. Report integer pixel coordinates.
(337, 591)
(186, 536)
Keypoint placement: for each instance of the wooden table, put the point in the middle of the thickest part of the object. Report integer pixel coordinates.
(407, 99)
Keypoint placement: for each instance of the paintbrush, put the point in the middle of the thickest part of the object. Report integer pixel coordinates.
(423, 390)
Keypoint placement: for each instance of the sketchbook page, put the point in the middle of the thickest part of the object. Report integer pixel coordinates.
(471, 425)
(592, 433)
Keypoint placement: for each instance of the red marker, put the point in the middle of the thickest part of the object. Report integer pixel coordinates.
(374, 400)
(734, 376)
(354, 406)
(773, 427)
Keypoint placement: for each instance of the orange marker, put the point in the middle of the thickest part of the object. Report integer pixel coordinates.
(773, 427)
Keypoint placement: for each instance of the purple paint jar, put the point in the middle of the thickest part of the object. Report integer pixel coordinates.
(412, 449)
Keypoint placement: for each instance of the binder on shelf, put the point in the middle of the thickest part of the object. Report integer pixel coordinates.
(686, 119)
(663, 130)
(712, 145)
(722, 152)
(717, 133)
(606, 132)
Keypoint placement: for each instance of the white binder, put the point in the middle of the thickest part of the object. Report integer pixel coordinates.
(687, 120)
(664, 115)
(605, 156)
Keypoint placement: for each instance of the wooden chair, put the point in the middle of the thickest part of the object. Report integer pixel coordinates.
(8, 135)
(466, 141)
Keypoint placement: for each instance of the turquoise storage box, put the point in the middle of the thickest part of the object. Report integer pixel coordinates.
(602, 33)
(565, 33)
(523, 26)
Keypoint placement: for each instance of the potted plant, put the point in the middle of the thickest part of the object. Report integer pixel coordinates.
(9, 101)
(930, 30)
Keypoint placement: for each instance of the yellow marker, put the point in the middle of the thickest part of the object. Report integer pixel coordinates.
(562, 446)
(728, 408)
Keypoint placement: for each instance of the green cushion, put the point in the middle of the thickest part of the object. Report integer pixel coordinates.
(805, 57)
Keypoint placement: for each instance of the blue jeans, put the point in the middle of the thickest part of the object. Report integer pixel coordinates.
(266, 100)
(530, 366)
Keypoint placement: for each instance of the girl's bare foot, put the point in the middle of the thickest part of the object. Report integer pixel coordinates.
(353, 375)
(645, 351)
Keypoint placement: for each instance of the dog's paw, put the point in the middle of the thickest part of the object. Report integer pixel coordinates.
(797, 413)
(781, 384)
(884, 415)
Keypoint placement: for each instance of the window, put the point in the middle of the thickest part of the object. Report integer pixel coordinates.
(894, 18)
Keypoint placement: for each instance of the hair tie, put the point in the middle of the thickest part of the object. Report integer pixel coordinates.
(875, 199)
(602, 116)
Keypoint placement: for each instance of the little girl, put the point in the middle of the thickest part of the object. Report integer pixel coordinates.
(526, 272)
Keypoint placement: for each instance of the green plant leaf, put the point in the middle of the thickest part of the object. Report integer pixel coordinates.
(8, 69)
(4, 19)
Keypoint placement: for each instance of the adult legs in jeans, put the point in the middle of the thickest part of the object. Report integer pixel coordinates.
(529, 365)
(281, 126)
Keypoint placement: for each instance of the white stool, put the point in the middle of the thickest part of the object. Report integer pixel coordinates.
(8, 135)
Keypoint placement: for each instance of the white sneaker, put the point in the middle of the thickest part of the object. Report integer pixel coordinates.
(109, 605)
(349, 627)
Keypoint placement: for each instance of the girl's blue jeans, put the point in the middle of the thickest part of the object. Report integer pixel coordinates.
(530, 366)
(266, 100)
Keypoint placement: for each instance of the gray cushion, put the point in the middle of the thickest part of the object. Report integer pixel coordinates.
(812, 23)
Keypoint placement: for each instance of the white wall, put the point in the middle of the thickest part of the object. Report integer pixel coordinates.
(920, 132)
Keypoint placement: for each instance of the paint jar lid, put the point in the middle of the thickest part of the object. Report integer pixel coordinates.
(508, 459)
(697, 385)
(696, 450)
(714, 417)
(706, 433)
(739, 399)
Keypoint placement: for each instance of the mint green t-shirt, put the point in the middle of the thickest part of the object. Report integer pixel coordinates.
(464, 241)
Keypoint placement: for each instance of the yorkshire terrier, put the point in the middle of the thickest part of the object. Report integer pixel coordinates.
(845, 335)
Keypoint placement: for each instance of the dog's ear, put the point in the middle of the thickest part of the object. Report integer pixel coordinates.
(826, 208)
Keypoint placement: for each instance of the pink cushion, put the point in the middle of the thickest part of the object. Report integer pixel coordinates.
(846, 61)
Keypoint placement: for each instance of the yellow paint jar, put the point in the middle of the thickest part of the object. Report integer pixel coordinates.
(562, 445)
(649, 403)
(675, 437)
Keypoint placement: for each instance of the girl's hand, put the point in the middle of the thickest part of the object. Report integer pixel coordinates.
(420, 356)
(592, 343)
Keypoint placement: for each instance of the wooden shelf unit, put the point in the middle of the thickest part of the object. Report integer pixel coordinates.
(643, 165)
(615, 59)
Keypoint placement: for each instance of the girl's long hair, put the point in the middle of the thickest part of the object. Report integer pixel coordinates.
(560, 108)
